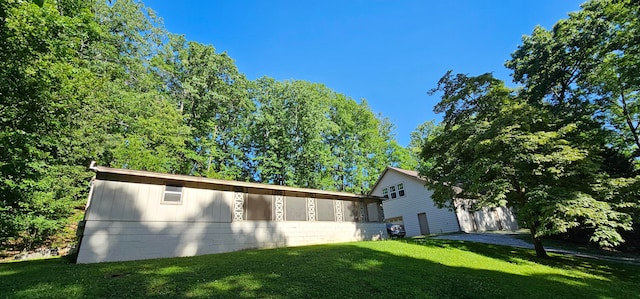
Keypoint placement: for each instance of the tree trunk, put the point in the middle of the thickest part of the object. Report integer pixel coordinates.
(627, 116)
(537, 243)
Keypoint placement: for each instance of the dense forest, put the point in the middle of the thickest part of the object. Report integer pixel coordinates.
(103, 81)
(562, 147)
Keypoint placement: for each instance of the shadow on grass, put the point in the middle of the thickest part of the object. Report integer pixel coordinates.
(387, 269)
(517, 255)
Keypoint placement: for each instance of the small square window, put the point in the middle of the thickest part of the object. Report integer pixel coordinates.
(172, 195)
(385, 192)
(401, 189)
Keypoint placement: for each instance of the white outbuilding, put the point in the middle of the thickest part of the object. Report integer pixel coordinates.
(407, 201)
(133, 215)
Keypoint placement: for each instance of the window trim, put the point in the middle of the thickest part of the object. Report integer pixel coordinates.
(394, 191)
(164, 195)
(400, 188)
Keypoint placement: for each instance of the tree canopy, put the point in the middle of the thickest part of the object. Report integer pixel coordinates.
(561, 148)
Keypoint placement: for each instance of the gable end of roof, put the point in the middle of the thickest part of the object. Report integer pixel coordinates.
(410, 173)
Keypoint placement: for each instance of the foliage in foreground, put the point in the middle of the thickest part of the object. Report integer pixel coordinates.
(563, 148)
(387, 269)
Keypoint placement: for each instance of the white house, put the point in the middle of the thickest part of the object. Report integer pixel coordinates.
(407, 201)
(133, 215)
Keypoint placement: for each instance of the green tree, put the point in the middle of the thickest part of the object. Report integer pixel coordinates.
(419, 137)
(287, 133)
(214, 101)
(76, 86)
(153, 137)
(396, 155)
(499, 150)
(304, 134)
(44, 88)
(586, 71)
(592, 56)
(360, 144)
(271, 143)
(140, 126)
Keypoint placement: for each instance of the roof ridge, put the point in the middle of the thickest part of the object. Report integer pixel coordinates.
(413, 173)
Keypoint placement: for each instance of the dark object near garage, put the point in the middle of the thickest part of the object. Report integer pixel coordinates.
(395, 230)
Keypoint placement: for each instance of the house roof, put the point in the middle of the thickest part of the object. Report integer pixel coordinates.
(137, 176)
(410, 173)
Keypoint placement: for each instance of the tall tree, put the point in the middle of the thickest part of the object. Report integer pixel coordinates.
(396, 155)
(359, 144)
(44, 86)
(587, 62)
(586, 71)
(287, 132)
(306, 135)
(76, 86)
(419, 137)
(498, 149)
(214, 101)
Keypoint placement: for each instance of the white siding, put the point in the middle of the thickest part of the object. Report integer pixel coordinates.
(486, 219)
(125, 201)
(417, 200)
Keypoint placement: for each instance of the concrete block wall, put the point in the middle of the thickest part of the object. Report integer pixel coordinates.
(106, 241)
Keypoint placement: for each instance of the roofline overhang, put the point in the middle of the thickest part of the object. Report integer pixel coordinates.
(128, 175)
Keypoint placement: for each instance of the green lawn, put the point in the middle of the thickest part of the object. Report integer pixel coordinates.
(592, 249)
(383, 269)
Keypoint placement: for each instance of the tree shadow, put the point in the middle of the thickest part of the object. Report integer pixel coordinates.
(355, 270)
(518, 255)
(130, 222)
(136, 225)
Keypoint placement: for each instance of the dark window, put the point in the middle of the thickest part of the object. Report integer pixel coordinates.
(325, 210)
(172, 195)
(350, 211)
(259, 207)
(401, 189)
(296, 208)
(373, 212)
(385, 192)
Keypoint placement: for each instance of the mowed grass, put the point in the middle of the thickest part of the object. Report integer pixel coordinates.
(382, 269)
(578, 247)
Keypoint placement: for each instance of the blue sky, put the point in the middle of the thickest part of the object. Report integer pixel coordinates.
(387, 52)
